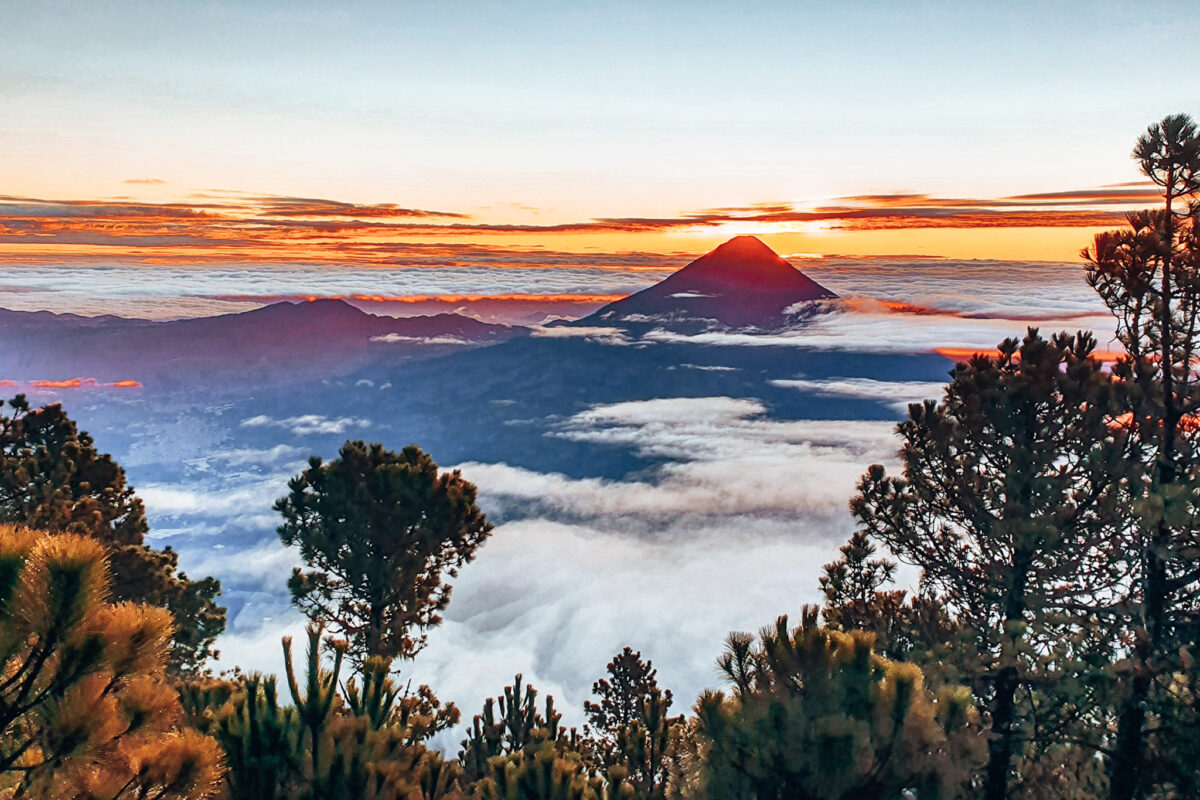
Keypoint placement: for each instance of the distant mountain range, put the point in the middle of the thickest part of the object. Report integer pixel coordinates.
(741, 284)
(282, 342)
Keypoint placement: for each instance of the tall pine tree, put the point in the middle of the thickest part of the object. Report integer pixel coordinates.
(1010, 504)
(1149, 277)
(381, 532)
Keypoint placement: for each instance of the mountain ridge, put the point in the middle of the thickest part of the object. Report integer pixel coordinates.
(281, 342)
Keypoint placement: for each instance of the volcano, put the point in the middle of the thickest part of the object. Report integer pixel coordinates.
(741, 284)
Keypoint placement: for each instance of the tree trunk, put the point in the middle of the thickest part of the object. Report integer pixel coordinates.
(1000, 743)
(375, 629)
(1003, 710)
(1127, 755)
(1125, 777)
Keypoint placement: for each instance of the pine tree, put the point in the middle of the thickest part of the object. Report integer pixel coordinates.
(633, 725)
(1172, 765)
(1149, 277)
(630, 680)
(522, 753)
(359, 740)
(1011, 505)
(85, 708)
(516, 726)
(916, 629)
(363, 744)
(53, 478)
(854, 579)
(816, 714)
(539, 772)
(381, 532)
(260, 739)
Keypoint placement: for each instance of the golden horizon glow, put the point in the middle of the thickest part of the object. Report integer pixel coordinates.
(212, 228)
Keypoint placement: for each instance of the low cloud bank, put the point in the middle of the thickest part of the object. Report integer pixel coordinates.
(616, 336)
(397, 338)
(308, 424)
(890, 332)
(897, 394)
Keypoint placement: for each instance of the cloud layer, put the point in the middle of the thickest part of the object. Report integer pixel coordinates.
(308, 424)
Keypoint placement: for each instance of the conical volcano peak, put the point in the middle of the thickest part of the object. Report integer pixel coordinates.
(743, 256)
(742, 283)
(745, 246)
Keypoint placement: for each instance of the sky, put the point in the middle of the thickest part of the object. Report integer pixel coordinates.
(208, 133)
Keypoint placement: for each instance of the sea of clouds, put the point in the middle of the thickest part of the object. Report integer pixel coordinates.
(166, 291)
(727, 532)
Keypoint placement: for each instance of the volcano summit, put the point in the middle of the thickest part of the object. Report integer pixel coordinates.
(741, 284)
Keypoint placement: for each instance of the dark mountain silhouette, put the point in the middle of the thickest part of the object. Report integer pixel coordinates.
(286, 325)
(741, 284)
(19, 321)
(283, 342)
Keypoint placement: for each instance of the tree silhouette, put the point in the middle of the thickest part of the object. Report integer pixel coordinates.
(381, 532)
(53, 478)
(630, 680)
(633, 724)
(1149, 277)
(916, 629)
(854, 579)
(1011, 505)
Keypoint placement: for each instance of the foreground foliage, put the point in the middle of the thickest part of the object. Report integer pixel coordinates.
(85, 707)
(358, 740)
(816, 713)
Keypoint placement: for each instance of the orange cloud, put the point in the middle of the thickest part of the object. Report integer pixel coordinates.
(72, 383)
(870, 305)
(233, 227)
(962, 354)
(475, 298)
(312, 207)
(414, 299)
(78, 383)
